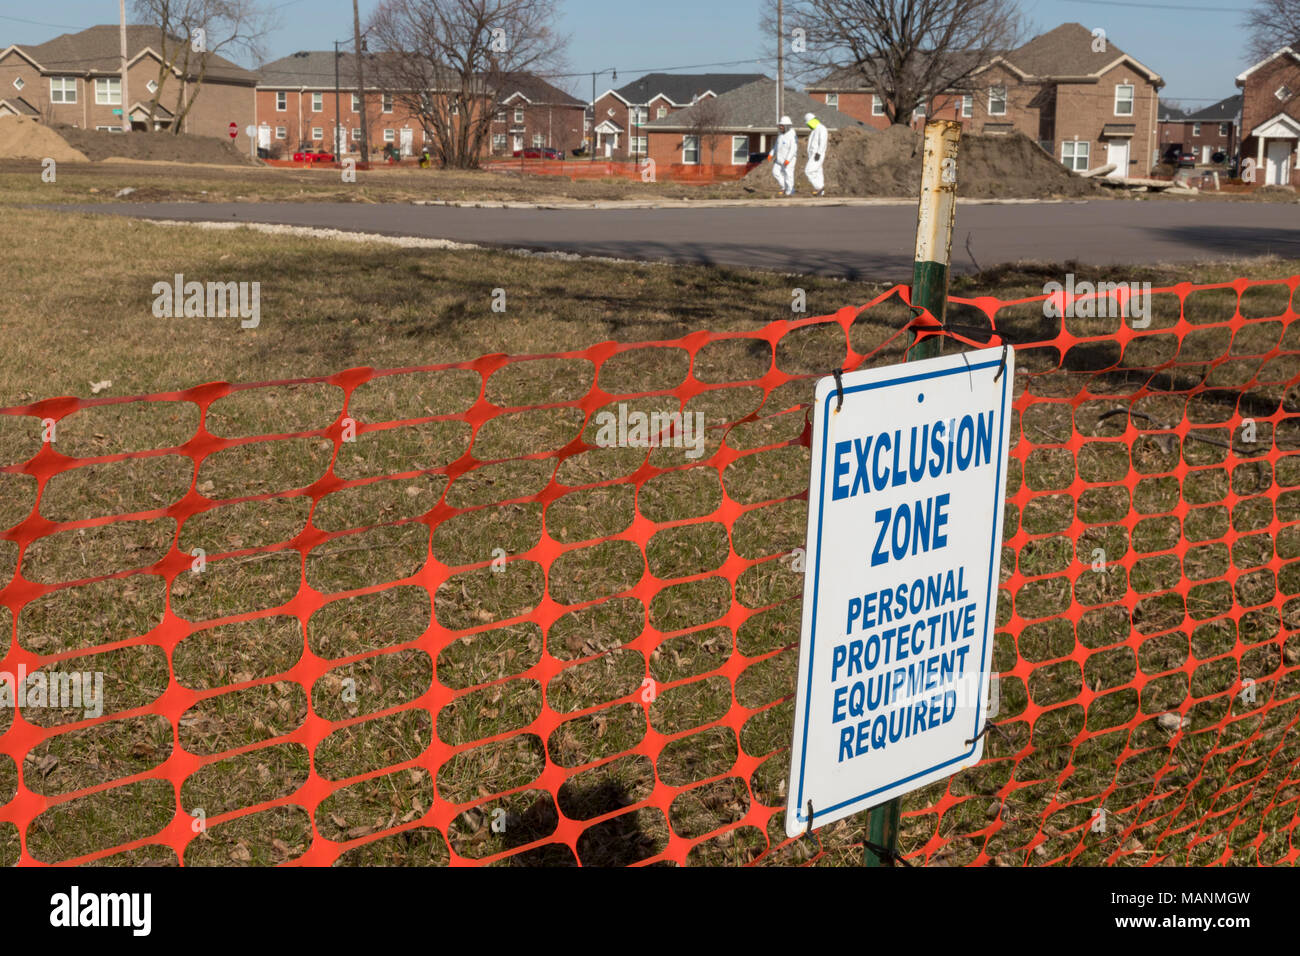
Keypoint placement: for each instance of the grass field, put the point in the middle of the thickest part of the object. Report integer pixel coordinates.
(330, 306)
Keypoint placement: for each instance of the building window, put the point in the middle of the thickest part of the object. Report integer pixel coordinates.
(833, 100)
(356, 103)
(317, 102)
(109, 129)
(19, 84)
(151, 86)
(1283, 92)
(1075, 155)
(498, 141)
(63, 89)
(281, 132)
(281, 101)
(1225, 129)
(877, 105)
(390, 136)
(690, 150)
(539, 140)
(739, 150)
(968, 106)
(388, 102)
(519, 116)
(108, 91)
(317, 132)
(1123, 99)
(499, 116)
(637, 115)
(661, 112)
(356, 133)
(1196, 129)
(919, 112)
(998, 101)
(637, 144)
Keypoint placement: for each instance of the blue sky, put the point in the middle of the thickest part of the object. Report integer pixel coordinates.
(1196, 45)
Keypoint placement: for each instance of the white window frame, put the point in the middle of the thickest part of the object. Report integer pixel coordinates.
(1196, 129)
(833, 100)
(499, 116)
(356, 133)
(661, 112)
(281, 132)
(1072, 161)
(63, 89)
(1283, 92)
(1225, 129)
(386, 102)
(877, 105)
(995, 98)
(19, 83)
(318, 102)
(281, 101)
(539, 140)
(317, 132)
(920, 111)
(104, 87)
(744, 158)
(109, 129)
(356, 103)
(151, 86)
(687, 140)
(967, 106)
(390, 136)
(1131, 100)
(500, 141)
(519, 116)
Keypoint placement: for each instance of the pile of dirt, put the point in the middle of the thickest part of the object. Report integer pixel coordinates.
(887, 163)
(21, 137)
(160, 145)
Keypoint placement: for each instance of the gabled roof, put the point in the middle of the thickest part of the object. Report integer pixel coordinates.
(314, 70)
(1224, 111)
(98, 50)
(536, 90)
(1169, 114)
(850, 79)
(1067, 53)
(19, 106)
(749, 108)
(1292, 51)
(681, 89)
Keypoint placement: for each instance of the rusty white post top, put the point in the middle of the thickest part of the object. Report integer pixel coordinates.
(938, 191)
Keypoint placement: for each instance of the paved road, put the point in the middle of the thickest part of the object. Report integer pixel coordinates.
(868, 242)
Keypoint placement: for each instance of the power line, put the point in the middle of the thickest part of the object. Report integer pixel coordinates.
(41, 23)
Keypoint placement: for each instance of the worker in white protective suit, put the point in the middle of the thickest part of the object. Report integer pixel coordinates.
(812, 168)
(785, 154)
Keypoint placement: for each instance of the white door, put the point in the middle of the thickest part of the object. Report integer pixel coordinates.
(1277, 159)
(406, 140)
(338, 141)
(518, 140)
(264, 136)
(1205, 155)
(1117, 153)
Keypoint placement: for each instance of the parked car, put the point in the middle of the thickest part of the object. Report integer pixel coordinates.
(1175, 155)
(539, 152)
(312, 154)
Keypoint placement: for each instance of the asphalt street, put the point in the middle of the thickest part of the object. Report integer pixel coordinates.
(859, 241)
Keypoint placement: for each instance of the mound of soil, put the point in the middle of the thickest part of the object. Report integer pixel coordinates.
(887, 163)
(21, 137)
(160, 145)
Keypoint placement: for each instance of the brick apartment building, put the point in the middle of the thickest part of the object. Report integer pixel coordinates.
(1205, 133)
(849, 92)
(619, 115)
(1085, 106)
(1270, 117)
(741, 125)
(76, 79)
(297, 106)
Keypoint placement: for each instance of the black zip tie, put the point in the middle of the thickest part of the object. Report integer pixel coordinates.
(970, 376)
(1003, 366)
(839, 391)
(989, 725)
(885, 854)
(808, 833)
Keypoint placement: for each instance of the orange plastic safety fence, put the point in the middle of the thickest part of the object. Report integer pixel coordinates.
(541, 704)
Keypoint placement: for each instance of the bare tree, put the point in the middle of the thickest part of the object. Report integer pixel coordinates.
(706, 122)
(451, 63)
(191, 33)
(908, 52)
(1271, 25)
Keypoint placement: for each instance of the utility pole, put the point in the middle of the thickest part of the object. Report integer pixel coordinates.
(780, 57)
(126, 117)
(361, 81)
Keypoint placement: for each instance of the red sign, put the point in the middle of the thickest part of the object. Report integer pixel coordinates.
(234, 130)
